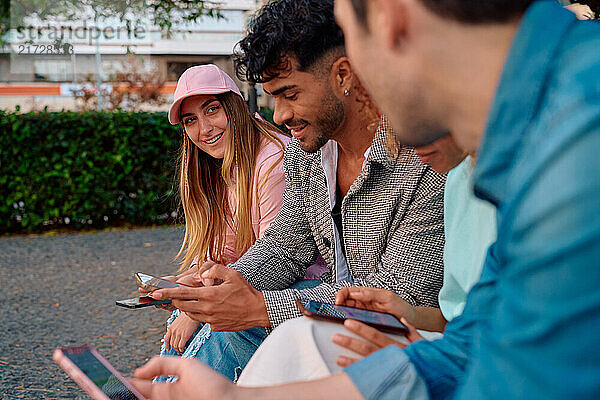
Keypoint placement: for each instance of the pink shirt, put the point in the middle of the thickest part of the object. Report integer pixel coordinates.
(267, 192)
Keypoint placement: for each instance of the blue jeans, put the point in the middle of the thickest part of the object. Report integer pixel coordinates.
(225, 352)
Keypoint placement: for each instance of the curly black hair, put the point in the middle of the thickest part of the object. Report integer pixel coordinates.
(303, 29)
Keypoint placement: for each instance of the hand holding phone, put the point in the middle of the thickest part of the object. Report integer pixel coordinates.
(330, 312)
(148, 283)
(94, 374)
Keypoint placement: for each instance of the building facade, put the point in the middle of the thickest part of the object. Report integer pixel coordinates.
(40, 72)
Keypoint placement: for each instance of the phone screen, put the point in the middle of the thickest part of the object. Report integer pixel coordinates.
(343, 312)
(110, 385)
(156, 282)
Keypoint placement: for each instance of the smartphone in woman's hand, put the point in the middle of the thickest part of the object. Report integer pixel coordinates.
(151, 283)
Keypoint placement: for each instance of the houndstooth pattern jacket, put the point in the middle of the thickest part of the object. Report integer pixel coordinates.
(392, 218)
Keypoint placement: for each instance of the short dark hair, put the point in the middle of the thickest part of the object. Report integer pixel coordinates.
(304, 29)
(468, 12)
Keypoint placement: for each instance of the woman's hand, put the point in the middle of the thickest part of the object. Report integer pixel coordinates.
(179, 332)
(374, 299)
(374, 340)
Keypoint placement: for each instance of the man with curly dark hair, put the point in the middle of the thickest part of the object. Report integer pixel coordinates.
(301, 29)
(374, 214)
(297, 42)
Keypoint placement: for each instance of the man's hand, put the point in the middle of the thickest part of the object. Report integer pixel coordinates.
(233, 305)
(179, 332)
(374, 340)
(375, 299)
(193, 276)
(196, 380)
(581, 11)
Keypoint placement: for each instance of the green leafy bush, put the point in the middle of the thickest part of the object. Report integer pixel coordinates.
(86, 169)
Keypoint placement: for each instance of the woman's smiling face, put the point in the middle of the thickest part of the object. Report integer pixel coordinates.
(205, 123)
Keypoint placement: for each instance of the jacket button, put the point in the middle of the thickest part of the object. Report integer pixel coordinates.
(326, 242)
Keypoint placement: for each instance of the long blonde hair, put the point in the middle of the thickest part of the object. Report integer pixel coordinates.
(203, 183)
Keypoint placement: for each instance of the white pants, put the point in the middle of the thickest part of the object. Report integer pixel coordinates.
(300, 349)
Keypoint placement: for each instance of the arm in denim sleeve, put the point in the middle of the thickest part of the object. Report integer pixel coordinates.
(429, 369)
(387, 374)
(542, 340)
(441, 363)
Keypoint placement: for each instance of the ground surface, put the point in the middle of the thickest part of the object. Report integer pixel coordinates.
(61, 291)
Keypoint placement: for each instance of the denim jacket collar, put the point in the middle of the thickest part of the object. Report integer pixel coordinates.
(523, 78)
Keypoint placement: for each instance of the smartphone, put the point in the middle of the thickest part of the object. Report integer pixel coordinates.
(383, 321)
(140, 302)
(150, 283)
(94, 374)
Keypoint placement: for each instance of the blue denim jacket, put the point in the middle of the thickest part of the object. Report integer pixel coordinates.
(530, 326)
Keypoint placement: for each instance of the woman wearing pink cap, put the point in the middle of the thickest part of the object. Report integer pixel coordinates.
(231, 180)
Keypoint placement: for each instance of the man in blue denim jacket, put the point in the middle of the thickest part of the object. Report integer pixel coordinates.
(522, 89)
(530, 325)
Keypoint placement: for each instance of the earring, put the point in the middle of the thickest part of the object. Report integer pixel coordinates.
(346, 92)
(185, 167)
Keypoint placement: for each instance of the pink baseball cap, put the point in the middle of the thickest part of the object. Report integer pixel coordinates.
(201, 79)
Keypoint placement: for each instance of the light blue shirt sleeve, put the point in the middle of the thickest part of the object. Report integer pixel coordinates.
(387, 374)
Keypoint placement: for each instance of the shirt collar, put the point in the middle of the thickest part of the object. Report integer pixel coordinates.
(518, 95)
(379, 151)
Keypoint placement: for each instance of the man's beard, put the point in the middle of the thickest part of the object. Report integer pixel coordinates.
(326, 123)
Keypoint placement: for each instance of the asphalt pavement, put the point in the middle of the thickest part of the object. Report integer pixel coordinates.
(61, 291)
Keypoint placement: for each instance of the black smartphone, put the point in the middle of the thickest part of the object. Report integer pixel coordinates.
(330, 312)
(150, 283)
(139, 302)
(94, 374)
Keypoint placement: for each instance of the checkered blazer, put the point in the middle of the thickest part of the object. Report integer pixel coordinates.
(393, 224)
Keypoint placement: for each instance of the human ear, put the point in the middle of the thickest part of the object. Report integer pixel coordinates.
(388, 19)
(342, 76)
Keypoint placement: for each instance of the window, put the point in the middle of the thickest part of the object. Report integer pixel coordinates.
(175, 69)
(52, 70)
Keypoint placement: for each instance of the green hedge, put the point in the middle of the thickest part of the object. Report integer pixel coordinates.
(89, 169)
